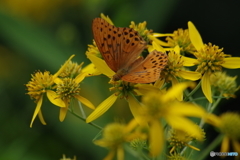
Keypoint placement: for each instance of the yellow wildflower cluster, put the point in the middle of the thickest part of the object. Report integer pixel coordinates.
(159, 80)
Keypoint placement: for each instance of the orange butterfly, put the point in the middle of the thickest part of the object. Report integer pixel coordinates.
(121, 47)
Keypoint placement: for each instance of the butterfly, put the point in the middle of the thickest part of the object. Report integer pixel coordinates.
(120, 47)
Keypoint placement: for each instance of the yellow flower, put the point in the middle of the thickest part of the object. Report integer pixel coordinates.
(228, 124)
(40, 84)
(114, 137)
(224, 84)
(159, 105)
(68, 89)
(179, 139)
(210, 59)
(181, 38)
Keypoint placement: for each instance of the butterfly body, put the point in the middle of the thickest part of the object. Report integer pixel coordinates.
(121, 47)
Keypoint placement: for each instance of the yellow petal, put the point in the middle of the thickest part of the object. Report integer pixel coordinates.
(85, 101)
(110, 155)
(62, 68)
(102, 142)
(91, 70)
(231, 62)
(177, 90)
(157, 47)
(179, 96)
(130, 126)
(150, 48)
(206, 87)
(142, 89)
(188, 62)
(102, 108)
(63, 113)
(120, 153)
(186, 109)
(177, 49)
(225, 144)
(159, 83)
(135, 106)
(58, 80)
(213, 120)
(40, 116)
(195, 37)
(106, 18)
(185, 125)
(37, 109)
(236, 146)
(54, 98)
(156, 140)
(101, 65)
(162, 34)
(190, 75)
(80, 77)
(159, 42)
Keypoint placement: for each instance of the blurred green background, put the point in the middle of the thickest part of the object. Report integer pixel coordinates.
(42, 34)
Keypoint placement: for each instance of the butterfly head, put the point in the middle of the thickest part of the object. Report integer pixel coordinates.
(119, 74)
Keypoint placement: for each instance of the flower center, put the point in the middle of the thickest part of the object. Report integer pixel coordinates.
(67, 88)
(122, 88)
(230, 125)
(39, 83)
(210, 59)
(175, 64)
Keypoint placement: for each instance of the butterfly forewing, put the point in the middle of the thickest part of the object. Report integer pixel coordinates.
(132, 47)
(118, 46)
(147, 70)
(99, 27)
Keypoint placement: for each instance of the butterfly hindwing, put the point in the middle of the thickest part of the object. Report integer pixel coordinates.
(147, 70)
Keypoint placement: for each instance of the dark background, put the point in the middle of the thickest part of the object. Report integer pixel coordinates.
(42, 34)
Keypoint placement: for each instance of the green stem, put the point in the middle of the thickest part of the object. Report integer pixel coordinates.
(210, 148)
(216, 103)
(193, 91)
(84, 119)
(203, 98)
